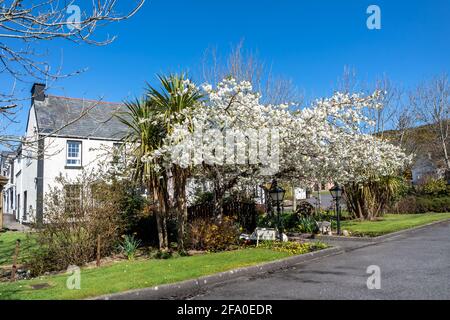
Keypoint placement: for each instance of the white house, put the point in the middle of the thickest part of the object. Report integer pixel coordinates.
(426, 167)
(9, 190)
(64, 135)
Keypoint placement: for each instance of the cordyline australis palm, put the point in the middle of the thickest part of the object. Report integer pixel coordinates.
(369, 199)
(175, 95)
(151, 121)
(146, 135)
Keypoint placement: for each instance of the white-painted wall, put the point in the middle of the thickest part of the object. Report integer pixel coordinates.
(93, 153)
(9, 188)
(28, 185)
(18, 182)
(26, 173)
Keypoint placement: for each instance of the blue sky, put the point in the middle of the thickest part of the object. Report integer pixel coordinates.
(308, 41)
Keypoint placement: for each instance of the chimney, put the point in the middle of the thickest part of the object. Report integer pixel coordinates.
(38, 92)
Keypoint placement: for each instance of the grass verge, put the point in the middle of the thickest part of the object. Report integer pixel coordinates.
(391, 223)
(129, 275)
(8, 244)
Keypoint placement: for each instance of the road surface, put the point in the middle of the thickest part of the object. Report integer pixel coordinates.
(414, 266)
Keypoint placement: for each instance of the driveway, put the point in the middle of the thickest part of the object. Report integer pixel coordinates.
(413, 266)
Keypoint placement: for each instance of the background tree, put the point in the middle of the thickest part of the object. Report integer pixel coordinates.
(432, 102)
(391, 121)
(246, 65)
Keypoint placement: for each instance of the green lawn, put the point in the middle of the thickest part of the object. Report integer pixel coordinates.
(8, 245)
(391, 223)
(137, 274)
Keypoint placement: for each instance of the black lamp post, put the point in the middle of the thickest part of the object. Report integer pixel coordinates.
(277, 196)
(336, 193)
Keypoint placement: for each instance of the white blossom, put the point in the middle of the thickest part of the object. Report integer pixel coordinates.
(322, 142)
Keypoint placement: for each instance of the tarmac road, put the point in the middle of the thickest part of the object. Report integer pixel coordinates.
(412, 266)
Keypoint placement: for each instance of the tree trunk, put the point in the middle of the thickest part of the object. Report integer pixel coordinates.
(159, 225)
(160, 215)
(354, 199)
(165, 235)
(369, 200)
(444, 149)
(163, 202)
(158, 218)
(218, 200)
(180, 180)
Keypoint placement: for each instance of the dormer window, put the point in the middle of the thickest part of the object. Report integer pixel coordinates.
(73, 154)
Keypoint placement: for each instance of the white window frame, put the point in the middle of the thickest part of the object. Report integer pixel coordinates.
(78, 158)
(73, 200)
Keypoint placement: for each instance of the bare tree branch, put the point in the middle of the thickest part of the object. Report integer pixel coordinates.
(26, 24)
(246, 65)
(432, 102)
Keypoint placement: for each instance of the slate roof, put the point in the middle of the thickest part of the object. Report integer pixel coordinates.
(57, 115)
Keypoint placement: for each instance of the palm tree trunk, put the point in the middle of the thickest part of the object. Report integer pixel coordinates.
(159, 225)
(163, 205)
(180, 181)
(158, 199)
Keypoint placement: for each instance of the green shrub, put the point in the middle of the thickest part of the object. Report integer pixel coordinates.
(203, 197)
(129, 246)
(74, 228)
(213, 235)
(434, 187)
(288, 220)
(422, 204)
(406, 205)
(432, 204)
(159, 254)
(266, 221)
(373, 197)
(296, 223)
(131, 204)
(307, 225)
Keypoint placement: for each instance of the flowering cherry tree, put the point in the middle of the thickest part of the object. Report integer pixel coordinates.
(234, 140)
(325, 140)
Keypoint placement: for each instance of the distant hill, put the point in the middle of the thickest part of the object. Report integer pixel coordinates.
(421, 141)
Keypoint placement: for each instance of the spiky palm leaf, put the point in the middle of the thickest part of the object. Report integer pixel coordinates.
(145, 135)
(173, 97)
